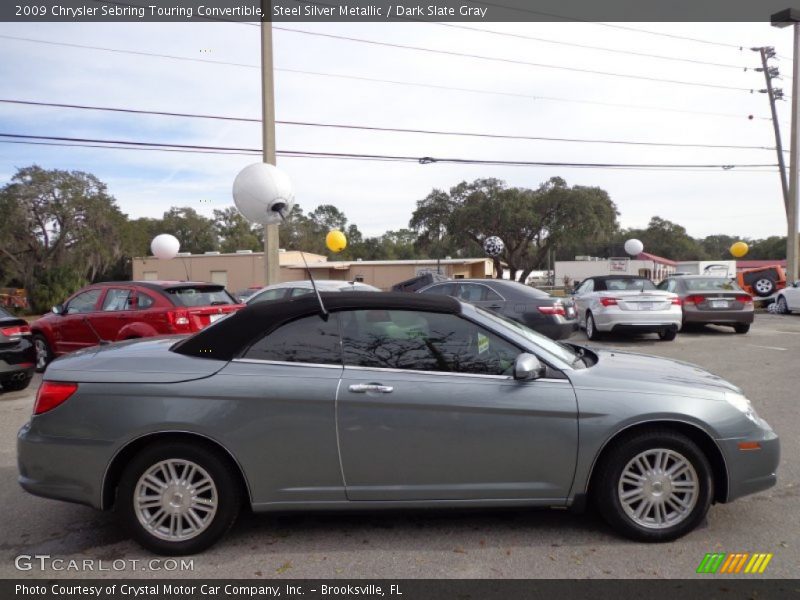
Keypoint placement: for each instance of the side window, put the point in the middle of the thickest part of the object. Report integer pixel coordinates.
(306, 340)
(273, 294)
(83, 302)
(116, 299)
(446, 289)
(300, 292)
(423, 341)
(586, 287)
(669, 285)
(469, 292)
(144, 301)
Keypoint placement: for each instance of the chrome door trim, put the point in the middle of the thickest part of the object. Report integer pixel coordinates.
(285, 363)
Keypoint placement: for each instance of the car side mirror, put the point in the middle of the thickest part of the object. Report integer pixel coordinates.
(58, 309)
(527, 366)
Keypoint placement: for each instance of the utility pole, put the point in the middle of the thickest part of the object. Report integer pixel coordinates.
(783, 19)
(775, 94)
(271, 253)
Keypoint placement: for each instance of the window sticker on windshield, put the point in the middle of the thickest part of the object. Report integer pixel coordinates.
(483, 343)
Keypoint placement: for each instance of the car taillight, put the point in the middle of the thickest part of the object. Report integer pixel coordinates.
(178, 318)
(677, 301)
(16, 330)
(608, 301)
(744, 299)
(694, 299)
(556, 309)
(51, 394)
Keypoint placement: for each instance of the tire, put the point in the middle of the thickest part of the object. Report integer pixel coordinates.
(763, 287)
(44, 354)
(668, 335)
(782, 306)
(215, 501)
(15, 385)
(741, 327)
(591, 328)
(622, 457)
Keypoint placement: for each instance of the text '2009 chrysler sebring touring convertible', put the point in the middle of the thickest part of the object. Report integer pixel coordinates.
(385, 401)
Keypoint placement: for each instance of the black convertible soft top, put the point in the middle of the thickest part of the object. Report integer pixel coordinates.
(224, 340)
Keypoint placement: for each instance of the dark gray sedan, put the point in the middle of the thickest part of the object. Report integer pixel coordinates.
(712, 301)
(538, 310)
(385, 401)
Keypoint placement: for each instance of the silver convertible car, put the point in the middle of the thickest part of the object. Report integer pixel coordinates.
(383, 401)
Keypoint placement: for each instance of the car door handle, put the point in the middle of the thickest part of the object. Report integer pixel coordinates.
(363, 388)
(495, 306)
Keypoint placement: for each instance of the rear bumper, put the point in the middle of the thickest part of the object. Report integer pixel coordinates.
(61, 468)
(718, 316)
(751, 471)
(637, 321)
(18, 357)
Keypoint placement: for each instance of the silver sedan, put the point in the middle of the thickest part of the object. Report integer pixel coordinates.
(376, 401)
(626, 303)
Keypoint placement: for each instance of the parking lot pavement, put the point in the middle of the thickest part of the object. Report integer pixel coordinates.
(519, 543)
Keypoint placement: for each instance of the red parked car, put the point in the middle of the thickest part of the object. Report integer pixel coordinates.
(124, 310)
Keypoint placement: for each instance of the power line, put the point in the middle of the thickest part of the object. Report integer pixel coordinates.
(511, 60)
(590, 47)
(387, 81)
(417, 159)
(383, 129)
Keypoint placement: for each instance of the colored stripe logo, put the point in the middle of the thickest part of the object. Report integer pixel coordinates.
(734, 563)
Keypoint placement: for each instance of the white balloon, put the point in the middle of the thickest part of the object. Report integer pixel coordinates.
(634, 247)
(165, 246)
(262, 192)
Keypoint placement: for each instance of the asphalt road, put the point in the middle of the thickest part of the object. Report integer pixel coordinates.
(489, 544)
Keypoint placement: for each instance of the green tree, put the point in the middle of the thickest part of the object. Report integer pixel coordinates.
(667, 239)
(530, 222)
(195, 232)
(235, 232)
(59, 228)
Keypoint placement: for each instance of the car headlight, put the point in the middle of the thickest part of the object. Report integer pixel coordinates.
(741, 403)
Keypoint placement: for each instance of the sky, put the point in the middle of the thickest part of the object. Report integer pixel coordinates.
(378, 196)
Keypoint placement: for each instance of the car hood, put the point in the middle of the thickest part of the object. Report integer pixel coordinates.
(145, 360)
(627, 371)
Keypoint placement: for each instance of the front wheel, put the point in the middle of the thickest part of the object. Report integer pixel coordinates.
(177, 498)
(654, 487)
(43, 352)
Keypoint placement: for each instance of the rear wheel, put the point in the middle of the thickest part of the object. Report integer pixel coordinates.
(591, 327)
(654, 486)
(764, 286)
(43, 352)
(741, 327)
(667, 335)
(783, 307)
(177, 498)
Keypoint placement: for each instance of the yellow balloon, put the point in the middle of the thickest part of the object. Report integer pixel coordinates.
(335, 241)
(739, 249)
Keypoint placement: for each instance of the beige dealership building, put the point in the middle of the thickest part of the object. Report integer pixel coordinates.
(240, 270)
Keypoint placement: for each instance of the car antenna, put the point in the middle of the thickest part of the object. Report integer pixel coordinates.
(100, 340)
(279, 207)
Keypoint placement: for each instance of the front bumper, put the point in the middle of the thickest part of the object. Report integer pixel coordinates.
(751, 471)
(62, 468)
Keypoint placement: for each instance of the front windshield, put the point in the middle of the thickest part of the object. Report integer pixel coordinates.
(557, 349)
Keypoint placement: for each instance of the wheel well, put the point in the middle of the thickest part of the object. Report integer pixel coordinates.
(123, 457)
(698, 436)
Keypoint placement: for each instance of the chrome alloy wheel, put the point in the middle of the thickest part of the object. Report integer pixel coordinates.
(658, 488)
(175, 500)
(41, 353)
